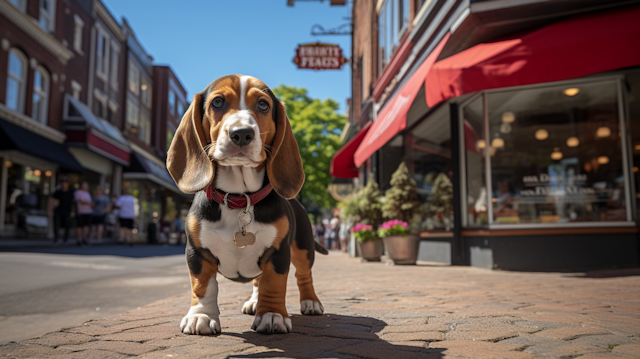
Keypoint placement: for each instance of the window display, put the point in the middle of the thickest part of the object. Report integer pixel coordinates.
(554, 152)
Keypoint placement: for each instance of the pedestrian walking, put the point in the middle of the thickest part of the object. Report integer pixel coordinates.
(178, 226)
(126, 215)
(101, 206)
(334, 241)
(84, 213)
(60, 205)
(320, 232)
(344, 234)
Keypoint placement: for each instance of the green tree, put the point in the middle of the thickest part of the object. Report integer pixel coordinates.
(317, 128)
(369, 208)
(401, 200)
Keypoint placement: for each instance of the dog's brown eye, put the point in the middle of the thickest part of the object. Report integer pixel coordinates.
(263, 106)
(217, 102)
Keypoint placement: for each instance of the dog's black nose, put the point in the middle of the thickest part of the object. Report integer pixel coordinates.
(241, 136)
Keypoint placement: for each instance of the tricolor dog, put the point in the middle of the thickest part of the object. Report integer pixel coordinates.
(235, 150)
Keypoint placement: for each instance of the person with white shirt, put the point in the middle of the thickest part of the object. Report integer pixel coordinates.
(126, 216)
(84, 211)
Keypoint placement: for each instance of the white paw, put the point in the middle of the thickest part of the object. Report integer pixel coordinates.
(309, 307)
(200, 324)
(249, 307)
(271, 323)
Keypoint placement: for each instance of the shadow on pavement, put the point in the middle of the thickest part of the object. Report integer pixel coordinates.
(607, 273)
(332, 336)
(136, 251)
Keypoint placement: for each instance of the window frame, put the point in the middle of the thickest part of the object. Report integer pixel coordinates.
(133, 68)
(102, 54)
(43, 111)
(49, 15)
(624, 147)
(113, 65)
(22, 82)
(78, 34)
(76, 89)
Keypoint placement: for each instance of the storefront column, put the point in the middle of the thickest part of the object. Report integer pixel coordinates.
(116, 189)
(3, 193)
(52, 184)
(457, 247)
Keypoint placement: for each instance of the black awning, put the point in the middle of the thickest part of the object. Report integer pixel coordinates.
(13, 137)
(143, 168)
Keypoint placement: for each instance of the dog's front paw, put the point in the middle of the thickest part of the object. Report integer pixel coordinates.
(309, 307)
(200, 324)
(250, 306)
(271, 323)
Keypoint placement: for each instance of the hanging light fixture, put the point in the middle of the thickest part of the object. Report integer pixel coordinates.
(603, 160)
(571, 91)
(481, 144)
(508, 117)
(636, 147)
(497, 142)
(542, 134)
(556, 154)
(48, 173)
(505, 128)
(573, 141)
(603, 131)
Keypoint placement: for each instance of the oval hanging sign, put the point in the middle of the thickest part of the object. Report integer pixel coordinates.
(318, 56)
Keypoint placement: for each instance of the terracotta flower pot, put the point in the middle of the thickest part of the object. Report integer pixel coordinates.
(402, 249)
(371, 250)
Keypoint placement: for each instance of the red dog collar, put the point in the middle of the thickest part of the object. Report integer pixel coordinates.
(238, 201)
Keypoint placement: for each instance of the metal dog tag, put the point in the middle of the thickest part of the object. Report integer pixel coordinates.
(244, 239)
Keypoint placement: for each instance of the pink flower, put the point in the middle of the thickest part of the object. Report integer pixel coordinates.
(393, 223)
(359, 227)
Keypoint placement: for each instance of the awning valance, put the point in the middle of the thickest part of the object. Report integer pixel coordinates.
(84, 129)
(579, 46)
(14, 137)
(342, 163)
(393, 117)
(142, 168)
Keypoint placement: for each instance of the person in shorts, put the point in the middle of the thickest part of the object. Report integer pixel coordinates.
(126, 215)
(60, 207)
(84, 212)
(101, 206)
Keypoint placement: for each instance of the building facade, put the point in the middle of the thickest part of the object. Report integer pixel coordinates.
(76, 99)
(518, 122)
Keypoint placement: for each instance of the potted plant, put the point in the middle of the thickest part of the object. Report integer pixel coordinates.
(400, 206)
(370, 244)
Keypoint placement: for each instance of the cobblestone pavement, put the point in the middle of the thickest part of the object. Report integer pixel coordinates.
(374, 310)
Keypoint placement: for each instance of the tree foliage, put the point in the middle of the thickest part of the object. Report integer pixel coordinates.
(317, 127)
(369, 207)
(401, 200)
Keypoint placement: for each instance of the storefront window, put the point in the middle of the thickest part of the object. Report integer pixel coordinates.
(633, 95)
(429, 161)
(555, 156)
(475, 166)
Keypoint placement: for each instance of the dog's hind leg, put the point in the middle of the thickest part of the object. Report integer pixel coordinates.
(309, 302)
(250, 305)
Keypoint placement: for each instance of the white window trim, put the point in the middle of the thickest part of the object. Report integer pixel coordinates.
(104, 60)
(75, 86)
(113, 106)
(44, 114)
(23, 81)
(115, 47)
(78, 29)
(132, 66)
(102, 98)
(52, 15)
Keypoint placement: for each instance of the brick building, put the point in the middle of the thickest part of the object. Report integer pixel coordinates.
(523, 115)
(76, 99)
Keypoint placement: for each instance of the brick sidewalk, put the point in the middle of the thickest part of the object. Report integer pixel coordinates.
(374, 310)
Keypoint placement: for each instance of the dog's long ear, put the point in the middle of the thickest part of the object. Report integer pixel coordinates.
(284, 166)
(187, 160)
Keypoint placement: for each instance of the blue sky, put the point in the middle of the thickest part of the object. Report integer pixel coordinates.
(204, 39)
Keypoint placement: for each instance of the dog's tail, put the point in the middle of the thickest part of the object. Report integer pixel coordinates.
(320, 249)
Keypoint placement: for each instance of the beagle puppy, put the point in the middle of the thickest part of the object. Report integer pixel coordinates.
(235, 150)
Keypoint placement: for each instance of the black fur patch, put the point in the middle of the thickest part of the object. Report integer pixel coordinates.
(304, 232)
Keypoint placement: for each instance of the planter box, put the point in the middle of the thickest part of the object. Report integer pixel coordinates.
(402, 249)
(371, 250)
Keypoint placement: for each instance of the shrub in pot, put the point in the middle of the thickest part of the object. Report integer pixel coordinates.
(370, 244)
(400, 206)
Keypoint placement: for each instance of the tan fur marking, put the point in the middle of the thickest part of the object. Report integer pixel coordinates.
(256, 281)
(200, 282)
(282, 228)
(303, 273)
(194, 231)
(272, 289)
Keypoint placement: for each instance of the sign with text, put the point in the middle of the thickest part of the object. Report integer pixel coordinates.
(319, 56)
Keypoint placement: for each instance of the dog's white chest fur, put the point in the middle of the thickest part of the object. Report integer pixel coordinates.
(234, 261)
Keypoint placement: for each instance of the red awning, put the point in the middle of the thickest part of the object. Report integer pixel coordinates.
(393, 117)
(342, 165)
(576, 47)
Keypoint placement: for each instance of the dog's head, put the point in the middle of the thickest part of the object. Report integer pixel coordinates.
(235, 121)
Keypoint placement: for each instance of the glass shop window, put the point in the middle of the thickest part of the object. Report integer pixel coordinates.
(429, 161)
(475, 166)
(556, 155)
